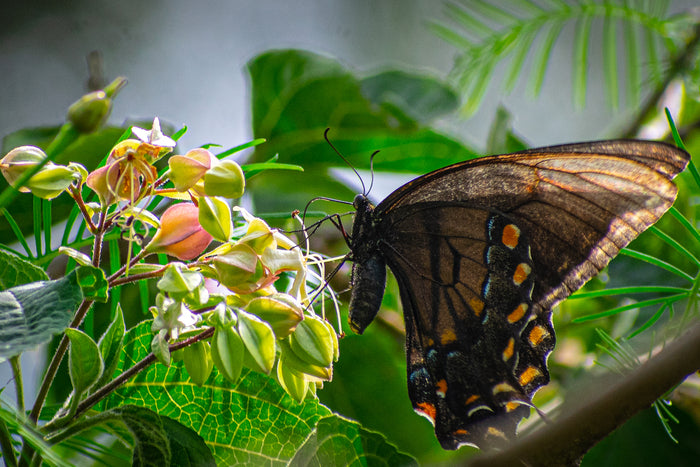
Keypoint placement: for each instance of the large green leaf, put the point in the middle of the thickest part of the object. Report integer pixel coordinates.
(339, 441)
(30, 314)
(17, 271)
(159, 440)
(296, 95)
(251, 422)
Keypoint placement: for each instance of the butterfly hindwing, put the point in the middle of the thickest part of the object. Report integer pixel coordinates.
(482, 251)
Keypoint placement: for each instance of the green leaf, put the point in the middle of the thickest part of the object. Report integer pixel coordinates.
(421, 98)
(84, 361)
(339, 441)
(110, 345)
(30, 314)
(251, 422)
(17, 271)
(160, 440)
(296, 95)
(93, 283)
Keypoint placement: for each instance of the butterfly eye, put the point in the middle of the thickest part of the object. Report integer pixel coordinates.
(359, 202)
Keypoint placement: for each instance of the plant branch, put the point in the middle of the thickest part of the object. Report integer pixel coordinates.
(105, 390)
(680, 64)
(587, 420)
(19, 384)
(56, 362)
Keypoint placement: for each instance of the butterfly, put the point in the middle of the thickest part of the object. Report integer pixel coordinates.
(482, 250)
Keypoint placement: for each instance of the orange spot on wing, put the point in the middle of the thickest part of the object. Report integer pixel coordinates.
(460, 432)
(522, 271)
(477, 306)
(517, 314)
(511, 236)
(508, 351)
(528, 375)
(448, 336)
(441, 387)
(428, 409)
(537, 334)
(471, 399)
(512, 405)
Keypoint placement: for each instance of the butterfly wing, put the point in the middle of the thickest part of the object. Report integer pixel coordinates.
(482, 251)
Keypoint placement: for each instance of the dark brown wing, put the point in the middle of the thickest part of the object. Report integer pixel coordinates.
(482, 250)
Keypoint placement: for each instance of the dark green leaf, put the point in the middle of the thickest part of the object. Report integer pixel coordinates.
(17, 271)
(160, 440)
(339, 441)
(30, 314)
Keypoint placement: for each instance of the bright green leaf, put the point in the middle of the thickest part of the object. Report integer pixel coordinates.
(84, 361)
(93, 283)
(110, 345)
(251, 422)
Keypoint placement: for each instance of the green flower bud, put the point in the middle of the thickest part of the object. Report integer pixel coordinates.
(281, 311)
(227, 352)
(198, 362)
(259, 339)
(215, 217)
(52, 180)
(241, 270)
(225, 179)
(89, 112)
(312, 341)
(293, 361)
(292, 381)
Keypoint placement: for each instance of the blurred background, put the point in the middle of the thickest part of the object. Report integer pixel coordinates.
(185, 62)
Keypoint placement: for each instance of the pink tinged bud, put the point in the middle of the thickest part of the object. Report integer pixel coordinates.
(187, 170)
(97, 181)
(180, 233)
(18, 161)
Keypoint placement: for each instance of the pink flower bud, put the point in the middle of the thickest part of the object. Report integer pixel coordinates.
(180, 233)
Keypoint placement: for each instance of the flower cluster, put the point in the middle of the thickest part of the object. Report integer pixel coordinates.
(228, 303)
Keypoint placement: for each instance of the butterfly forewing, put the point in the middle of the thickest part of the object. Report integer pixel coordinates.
(482, 251)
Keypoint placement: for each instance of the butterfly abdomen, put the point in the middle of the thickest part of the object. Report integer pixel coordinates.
(368, 270)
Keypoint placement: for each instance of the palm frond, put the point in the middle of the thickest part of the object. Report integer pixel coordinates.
(636, 39)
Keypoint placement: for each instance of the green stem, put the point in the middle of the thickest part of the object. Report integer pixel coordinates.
(8, 452)
(19, 385)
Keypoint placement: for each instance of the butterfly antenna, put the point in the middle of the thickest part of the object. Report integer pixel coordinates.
(371, 170)
(325, 136)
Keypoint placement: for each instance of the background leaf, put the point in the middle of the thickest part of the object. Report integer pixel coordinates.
(31, 314)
